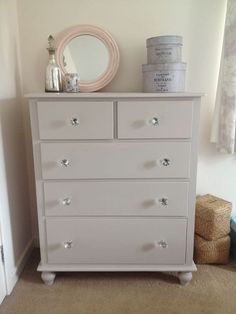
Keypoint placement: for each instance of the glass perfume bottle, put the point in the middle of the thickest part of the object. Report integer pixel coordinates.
(53, 81)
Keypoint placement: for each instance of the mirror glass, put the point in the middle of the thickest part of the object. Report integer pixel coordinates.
(86, 55)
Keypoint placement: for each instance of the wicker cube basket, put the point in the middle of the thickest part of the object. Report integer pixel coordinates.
(212, 219)
(211, 252)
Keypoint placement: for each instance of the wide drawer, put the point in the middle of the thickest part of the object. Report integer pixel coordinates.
(116, 240)
(75, 120)
(115, 160)
(116, 198)
(155, 119)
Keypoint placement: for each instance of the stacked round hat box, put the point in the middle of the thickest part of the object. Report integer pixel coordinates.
(164, 71)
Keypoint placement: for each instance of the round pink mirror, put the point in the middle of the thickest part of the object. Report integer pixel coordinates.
(91, 52)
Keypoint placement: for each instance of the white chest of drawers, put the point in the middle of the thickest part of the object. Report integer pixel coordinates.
(115, 180)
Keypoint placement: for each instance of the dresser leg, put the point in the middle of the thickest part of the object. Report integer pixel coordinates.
(185, 277)
(48, 277)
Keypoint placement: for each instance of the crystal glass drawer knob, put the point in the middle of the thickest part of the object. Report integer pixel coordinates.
(165, 162)
(154, 121)
(163, 201)
(162, 244)
(66, 201)
(65, 162)
(68, 244)
(74, 121)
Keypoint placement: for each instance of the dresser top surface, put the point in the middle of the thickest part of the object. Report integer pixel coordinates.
(113, 95)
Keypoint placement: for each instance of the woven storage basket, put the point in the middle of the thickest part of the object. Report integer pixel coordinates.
(211, 252)
(212, 219)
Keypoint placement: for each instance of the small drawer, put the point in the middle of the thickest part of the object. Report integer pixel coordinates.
(115, 160)
(88, 198)
(107, 240)
(155, 119)
(75, 120)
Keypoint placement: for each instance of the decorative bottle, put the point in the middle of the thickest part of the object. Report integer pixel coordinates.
(53, 82)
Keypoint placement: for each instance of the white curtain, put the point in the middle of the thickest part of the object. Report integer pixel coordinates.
(224, 124)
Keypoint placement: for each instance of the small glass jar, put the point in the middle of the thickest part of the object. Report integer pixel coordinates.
(71, 83)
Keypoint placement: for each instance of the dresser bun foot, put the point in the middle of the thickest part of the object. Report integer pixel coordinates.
(185, 277)
(48, 277)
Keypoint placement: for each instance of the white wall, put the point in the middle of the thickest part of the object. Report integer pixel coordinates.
(200, 22)
(14, 205)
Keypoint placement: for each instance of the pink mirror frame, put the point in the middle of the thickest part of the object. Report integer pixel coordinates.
(65, 37)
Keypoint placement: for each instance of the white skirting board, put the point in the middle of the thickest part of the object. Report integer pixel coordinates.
(12, 280)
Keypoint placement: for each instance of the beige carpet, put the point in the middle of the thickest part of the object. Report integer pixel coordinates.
(212, 290)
